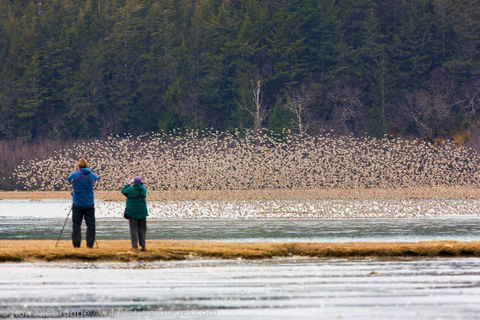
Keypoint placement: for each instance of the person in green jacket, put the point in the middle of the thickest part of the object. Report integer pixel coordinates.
(136, 211)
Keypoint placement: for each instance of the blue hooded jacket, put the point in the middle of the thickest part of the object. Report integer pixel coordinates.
(83, 187)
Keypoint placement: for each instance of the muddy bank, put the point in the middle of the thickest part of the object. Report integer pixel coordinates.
(119, 250)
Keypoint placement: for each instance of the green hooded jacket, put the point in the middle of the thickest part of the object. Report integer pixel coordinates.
(136, 201)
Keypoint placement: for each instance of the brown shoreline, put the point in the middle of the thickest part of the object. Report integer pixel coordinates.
(439, 192)
(158, 250)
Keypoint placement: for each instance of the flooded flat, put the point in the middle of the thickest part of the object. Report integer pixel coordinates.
(291, 288)
(322, 230)
(23, 219)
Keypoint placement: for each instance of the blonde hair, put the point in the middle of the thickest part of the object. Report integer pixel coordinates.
(82, 163)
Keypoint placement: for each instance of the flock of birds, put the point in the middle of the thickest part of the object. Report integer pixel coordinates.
(296, 209)
(195, 160)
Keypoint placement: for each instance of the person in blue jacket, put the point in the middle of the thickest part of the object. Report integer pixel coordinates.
(83, 206)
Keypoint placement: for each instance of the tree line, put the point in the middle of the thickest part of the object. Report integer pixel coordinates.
(74, 69)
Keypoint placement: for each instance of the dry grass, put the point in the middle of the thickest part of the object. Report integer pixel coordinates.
(441, 192)
(119, 250)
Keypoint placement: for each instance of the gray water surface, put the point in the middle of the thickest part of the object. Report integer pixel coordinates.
(327, 230)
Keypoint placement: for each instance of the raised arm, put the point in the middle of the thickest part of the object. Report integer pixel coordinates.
(126, 189)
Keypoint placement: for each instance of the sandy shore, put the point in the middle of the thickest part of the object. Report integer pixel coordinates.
(119, 250)
(441, 192)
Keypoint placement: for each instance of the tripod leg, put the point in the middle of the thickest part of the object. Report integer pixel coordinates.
(64, 224)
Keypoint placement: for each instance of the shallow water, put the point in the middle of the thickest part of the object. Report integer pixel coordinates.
(268, 289)
(23, 219)
(324, 230)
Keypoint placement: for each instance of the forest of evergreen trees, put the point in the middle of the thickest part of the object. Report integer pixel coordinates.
(75, 69)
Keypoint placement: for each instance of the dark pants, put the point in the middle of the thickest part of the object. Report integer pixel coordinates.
(78, 214)
(138, 230)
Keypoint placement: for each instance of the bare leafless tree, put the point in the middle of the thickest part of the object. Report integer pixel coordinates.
(256, 109)
(429, 110)
(299, 103)
(429, 113)
(469, 100)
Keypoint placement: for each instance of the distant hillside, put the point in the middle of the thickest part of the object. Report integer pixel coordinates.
(75, 69)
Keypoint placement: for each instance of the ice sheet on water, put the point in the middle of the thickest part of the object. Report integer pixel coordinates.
(217, 289)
